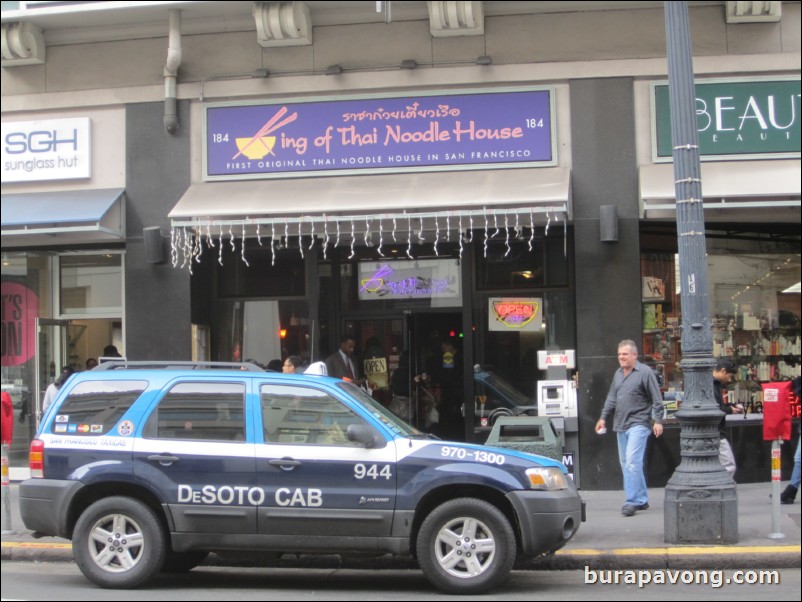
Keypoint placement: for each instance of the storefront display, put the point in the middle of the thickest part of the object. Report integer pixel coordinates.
(755, 307)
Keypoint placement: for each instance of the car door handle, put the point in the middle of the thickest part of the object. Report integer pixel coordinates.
(164, 459)
(285, 463)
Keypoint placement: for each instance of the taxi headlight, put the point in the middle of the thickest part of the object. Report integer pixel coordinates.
(546, 478)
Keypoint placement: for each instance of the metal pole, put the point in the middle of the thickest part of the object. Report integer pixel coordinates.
(776, 457)
(6, 490)
(701, 505)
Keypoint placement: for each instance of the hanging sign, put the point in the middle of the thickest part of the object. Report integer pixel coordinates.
(385, 133)
(20, 308)
(420, 279)
(522, 315)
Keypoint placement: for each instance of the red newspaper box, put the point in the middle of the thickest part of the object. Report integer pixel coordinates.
(777, 410)
(8, 418)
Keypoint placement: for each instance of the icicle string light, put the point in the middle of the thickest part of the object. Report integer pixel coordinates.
(187, 238)
(353, 241)
(300, 241)
(531, 230)
(409, 238)
(173, 249)
(326, 235)
(242, 248)
(273, 245)
(507, 232)
(461, 240)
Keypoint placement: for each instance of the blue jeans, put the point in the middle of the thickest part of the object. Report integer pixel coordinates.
(795, 475)
(631, 450)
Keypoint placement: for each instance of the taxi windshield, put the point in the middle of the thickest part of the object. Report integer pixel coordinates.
(390, 420)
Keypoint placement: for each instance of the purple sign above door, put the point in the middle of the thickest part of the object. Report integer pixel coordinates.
(328, 137)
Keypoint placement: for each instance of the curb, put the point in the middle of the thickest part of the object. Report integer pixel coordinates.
(712, 557)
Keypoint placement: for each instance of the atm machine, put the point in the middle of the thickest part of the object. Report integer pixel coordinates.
(557, 400)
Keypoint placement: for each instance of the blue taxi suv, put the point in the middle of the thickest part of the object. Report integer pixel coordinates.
(147, 468)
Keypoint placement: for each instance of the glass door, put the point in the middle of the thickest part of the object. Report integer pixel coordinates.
(51, 356)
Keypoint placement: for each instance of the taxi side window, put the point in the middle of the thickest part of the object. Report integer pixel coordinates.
(94, 407)
(206, 411)
(305, 416)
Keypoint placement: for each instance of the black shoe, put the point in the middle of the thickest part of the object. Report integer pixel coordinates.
(789, 495)
(642, 506)
(628, 510)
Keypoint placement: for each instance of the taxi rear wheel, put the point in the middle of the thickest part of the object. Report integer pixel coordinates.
(119, 543)
(466, 546)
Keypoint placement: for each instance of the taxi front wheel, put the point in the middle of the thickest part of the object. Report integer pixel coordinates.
(466, 546)
(119, 543)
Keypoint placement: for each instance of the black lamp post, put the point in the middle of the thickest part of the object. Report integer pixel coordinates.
(701, 505)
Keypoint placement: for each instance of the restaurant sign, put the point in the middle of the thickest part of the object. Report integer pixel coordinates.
(432, 279)
(735, 118)
(385, 133)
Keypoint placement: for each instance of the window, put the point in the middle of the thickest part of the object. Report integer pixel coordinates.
(305, 415)
(94, 407)
(91, 284)
(205, 411)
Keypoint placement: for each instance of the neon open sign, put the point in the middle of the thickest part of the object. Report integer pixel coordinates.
(520, 314)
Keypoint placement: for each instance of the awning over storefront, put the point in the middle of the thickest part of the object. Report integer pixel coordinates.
(63, 217)
(757, 190)
(375, 196)
(354, 209)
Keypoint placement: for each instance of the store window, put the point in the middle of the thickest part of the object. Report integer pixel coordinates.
(90, 284)
(59, 309)
(512, 264)
(754, 299)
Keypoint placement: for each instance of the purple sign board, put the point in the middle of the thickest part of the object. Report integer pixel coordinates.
(329, 137)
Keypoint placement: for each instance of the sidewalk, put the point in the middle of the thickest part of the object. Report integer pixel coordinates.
(606, 540)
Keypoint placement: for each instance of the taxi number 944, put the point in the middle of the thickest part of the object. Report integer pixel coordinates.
(373, 471)
(476, 455)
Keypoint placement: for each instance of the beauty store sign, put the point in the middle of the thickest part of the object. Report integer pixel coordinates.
(736, 119)
(356, 135)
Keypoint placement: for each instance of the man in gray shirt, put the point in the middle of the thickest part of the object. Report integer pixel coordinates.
(636, 400)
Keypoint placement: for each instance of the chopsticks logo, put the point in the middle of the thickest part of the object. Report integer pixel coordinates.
(261, 143)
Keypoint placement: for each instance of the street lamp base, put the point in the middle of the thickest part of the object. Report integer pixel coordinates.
(696, 515)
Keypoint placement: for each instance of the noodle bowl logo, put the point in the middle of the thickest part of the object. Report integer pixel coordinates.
(261, 144)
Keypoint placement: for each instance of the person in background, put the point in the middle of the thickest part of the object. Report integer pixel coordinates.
(111, 351)
(275, 366)
(293, 365)
(723, 374)
(789, 493)
(446, 377)
(342, 363)
(91, 363)
(636, 400)
(53, 388)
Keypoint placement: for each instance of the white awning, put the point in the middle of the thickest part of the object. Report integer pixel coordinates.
(375, 196)
(63, 217)
(758, 190)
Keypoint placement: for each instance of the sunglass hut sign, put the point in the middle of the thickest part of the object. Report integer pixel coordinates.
(55, 149)
(737, 118)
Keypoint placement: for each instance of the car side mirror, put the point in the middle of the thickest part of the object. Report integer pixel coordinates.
(364, 435)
